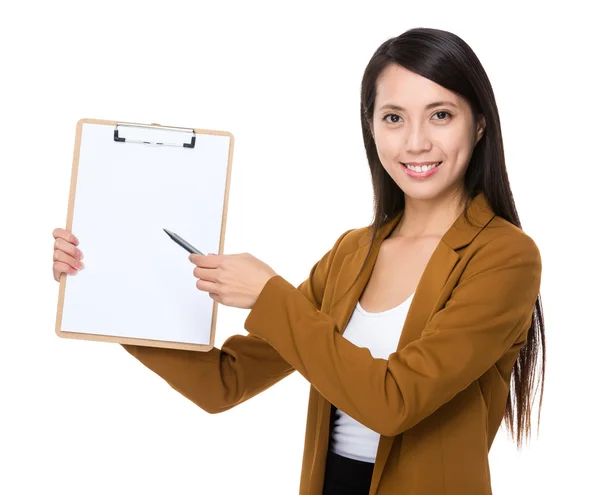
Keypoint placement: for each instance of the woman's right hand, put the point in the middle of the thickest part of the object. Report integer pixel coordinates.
(66, 255)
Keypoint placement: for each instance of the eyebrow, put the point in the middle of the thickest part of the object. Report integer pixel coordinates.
(389, 106)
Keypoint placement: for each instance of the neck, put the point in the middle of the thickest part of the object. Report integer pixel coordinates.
(429, 217)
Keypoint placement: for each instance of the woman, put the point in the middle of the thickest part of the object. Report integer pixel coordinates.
(411, 331)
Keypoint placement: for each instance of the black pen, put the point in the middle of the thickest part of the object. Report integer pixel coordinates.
(185, 245)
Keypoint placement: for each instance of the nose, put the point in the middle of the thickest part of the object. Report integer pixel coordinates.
(417, 139)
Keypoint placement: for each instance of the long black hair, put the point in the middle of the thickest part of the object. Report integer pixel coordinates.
(447, 60)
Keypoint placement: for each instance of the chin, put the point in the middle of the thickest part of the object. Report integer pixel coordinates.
(421, 194)
(425, 192)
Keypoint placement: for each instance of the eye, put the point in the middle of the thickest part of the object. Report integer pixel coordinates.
(395, 118)
(443, 112)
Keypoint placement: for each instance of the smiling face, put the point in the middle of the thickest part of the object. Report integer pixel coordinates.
(416, 120)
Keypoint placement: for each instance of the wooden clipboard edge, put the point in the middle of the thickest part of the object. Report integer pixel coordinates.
(166, 344)
(63, 277)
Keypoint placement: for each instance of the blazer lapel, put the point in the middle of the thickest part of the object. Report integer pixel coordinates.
(348, 288)
(425, 300)
(428, 291)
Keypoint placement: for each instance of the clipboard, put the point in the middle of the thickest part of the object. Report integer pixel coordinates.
(130, 181)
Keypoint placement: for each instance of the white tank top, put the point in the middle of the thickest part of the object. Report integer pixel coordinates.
(378, 332)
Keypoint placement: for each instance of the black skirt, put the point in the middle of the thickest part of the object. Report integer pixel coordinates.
(345, 476)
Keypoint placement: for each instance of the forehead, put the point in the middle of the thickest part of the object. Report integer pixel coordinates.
(398, 85)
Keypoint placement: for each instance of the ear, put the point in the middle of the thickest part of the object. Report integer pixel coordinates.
(372, 131)
(480, 128)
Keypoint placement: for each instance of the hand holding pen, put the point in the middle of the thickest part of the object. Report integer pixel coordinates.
(231, 279)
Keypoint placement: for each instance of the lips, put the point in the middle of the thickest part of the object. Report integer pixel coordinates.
(424, 173)
(422, 163)
(421, 166)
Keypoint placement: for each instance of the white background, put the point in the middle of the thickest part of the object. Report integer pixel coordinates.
(85, 417)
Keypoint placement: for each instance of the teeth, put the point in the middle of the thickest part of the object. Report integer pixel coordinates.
(424, 168)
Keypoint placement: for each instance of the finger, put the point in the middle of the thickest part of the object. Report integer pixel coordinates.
(66, 235)
(210, 287)
(58, 267)
(215, 297)
(61, 245)
(209, 261)
(68, 259)
(209, 274)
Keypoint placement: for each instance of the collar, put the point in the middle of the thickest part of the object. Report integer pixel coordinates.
(460, 233)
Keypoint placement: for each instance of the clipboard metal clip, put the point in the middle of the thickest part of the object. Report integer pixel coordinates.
(155, 135)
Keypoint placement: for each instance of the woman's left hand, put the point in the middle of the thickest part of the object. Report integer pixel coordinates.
(231, 279)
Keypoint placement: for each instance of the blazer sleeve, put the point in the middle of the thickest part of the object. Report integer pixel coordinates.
(246, 365)
(487, 312)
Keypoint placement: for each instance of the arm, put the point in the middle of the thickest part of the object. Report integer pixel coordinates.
(487, 312)
(246, 365)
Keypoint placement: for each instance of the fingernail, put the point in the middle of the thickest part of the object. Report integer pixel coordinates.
(80, 265)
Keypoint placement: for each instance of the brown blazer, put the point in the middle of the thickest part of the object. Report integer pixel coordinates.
(437, 402)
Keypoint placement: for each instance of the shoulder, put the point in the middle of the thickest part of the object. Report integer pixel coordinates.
(501, 233)
(351, 240)
(501, 242)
